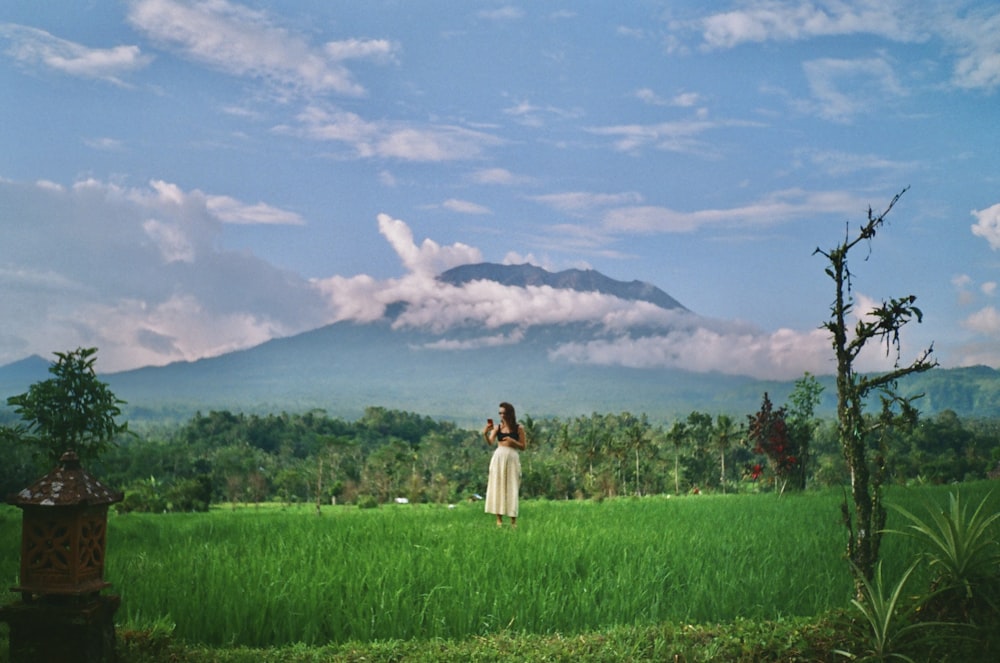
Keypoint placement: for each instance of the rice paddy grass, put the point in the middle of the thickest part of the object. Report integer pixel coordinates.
(266, 577)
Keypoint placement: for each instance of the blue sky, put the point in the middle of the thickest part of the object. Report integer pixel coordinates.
(180, 179)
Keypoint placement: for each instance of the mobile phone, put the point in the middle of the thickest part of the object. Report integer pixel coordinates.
(489, 422)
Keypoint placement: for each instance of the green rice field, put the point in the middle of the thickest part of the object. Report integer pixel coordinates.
(270, 576)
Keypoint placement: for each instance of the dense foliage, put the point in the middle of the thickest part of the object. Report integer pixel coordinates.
(388, 454)
(71, 411)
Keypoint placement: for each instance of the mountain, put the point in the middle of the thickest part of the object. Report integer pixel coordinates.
(345, 367)
(571, 279)
(15, 378)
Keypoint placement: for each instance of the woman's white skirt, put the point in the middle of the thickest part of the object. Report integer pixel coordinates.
(504, 482)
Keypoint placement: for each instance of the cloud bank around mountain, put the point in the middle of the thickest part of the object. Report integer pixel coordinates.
(139, 273)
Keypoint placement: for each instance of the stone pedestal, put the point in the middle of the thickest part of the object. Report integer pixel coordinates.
(65, 631)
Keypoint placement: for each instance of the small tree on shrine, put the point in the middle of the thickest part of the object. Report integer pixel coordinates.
(72, 411)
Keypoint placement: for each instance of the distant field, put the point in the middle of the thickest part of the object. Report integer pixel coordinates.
(268, 577)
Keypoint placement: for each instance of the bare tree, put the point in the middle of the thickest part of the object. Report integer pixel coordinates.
(881, 325)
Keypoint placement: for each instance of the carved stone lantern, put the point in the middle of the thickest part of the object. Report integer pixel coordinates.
(62, 615)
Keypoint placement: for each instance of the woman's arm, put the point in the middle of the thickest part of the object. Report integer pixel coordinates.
(522, 438)
(490, 433)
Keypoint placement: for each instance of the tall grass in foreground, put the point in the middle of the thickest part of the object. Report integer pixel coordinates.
(268, 577)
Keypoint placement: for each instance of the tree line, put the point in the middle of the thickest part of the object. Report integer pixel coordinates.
(309, 458)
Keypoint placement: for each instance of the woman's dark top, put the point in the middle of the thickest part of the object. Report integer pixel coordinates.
(501, 436)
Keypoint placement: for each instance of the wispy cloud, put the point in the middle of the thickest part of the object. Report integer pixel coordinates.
(499, 176)
(246, 42)
(531, 115)
(676, 136)
(231, 210)
(778, 207)
(586, 202)
(104, 144)
(838, 163)
(465, 207)
(37, 48)
(391, 140)
(976, 40)
(769, 20)
(680, 100)
(843, 89)
(505, 13)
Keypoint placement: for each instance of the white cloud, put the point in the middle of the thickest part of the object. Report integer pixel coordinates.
(768, 20)
(961, 281)
(506, 13)
(500, 176)
(575, 202)
(104, 144)
(245, 42)
(778, 207)
(482, 342)
(428, 259)
(515, 258)
(985, 321)
(358, 298)
(781, 355)
(173, 244)
(231, 210)
(465, 207)
(136, 333)
(677, 136)
(838, 163)
(680, 100)
(35, 48)
(392, 140)
(987, 225)
(378, 50)
(137, 272)
(531, 115)
(972, 35)
(648, 96)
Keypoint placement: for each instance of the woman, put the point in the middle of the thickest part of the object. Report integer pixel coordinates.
(505, 466)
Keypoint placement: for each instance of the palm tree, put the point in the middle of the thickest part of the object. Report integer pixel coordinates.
(725, 428)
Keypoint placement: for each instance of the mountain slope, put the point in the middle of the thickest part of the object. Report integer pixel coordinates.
(16, 377)
(570, 279)
(345, 367)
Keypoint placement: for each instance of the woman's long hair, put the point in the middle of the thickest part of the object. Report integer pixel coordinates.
(509, 416)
